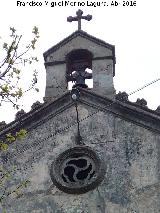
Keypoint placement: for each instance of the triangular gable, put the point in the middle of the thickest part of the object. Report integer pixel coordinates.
(126, 110)
(81, 34)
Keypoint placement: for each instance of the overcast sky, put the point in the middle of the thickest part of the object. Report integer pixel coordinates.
(134, 30)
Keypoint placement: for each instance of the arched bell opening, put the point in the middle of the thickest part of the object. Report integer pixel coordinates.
(78, 68)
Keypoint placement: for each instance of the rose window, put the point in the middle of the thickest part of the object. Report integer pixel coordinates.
(77, 170)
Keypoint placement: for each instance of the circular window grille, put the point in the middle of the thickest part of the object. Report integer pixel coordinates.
(77, 170)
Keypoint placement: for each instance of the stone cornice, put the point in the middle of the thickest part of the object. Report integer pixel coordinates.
(129, 111)
(29, 119)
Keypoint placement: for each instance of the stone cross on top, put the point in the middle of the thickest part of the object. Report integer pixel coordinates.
(78, 18)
